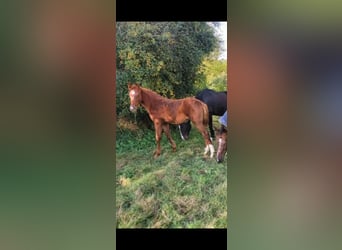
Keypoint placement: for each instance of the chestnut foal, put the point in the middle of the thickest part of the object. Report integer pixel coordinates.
(164, 111)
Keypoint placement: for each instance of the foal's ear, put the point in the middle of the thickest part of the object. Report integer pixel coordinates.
(129, 85)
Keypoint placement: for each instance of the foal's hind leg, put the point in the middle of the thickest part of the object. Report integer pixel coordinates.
(208, 145)
(166, 129)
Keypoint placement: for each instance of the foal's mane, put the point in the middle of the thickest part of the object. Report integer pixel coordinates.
(155, 95)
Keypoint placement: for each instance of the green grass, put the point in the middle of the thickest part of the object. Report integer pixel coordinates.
(181, 189)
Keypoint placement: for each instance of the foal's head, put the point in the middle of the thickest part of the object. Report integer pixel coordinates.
(222, 144)
(134, 92)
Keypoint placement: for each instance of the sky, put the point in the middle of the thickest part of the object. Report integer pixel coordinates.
(223, 35)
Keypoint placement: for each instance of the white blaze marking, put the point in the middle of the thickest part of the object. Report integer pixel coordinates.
(132, 94)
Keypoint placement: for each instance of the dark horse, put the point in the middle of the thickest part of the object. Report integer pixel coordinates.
(222, 144)
(217, 105)
(222, 138)
(163, 111)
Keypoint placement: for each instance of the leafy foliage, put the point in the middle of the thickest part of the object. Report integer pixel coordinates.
(214, 74)
(163, 56)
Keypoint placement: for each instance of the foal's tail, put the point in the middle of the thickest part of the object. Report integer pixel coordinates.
(205, 114)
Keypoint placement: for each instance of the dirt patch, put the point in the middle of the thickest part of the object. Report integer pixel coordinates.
(125, 124)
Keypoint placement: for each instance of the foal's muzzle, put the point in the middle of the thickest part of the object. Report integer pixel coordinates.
(132, 108)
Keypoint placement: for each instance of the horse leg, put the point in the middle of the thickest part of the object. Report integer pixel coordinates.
(212, 132)
(166, 129)
(208, 145)
(159, 130)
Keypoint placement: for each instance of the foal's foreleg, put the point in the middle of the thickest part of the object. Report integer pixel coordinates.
(159, 130)
(166, 129)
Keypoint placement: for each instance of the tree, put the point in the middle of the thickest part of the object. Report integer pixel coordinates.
(214, 74)
(163, 56)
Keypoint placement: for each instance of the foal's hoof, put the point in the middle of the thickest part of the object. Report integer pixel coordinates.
(209, 149)
(155, 155)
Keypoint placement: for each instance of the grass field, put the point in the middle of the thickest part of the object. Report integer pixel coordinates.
(181, 189)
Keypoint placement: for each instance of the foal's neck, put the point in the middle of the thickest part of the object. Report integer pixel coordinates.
(145, 97)
(148, 98)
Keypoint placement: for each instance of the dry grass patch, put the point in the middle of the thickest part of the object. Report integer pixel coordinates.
(149, 205)
(185, 204)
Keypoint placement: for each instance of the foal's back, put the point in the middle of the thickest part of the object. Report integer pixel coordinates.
(177, 111)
